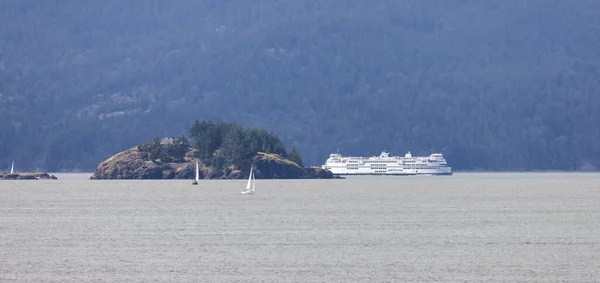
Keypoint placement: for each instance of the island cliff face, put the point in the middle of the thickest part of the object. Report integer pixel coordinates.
(135, 164)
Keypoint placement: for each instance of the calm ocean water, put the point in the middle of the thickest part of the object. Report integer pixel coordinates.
(496, 227)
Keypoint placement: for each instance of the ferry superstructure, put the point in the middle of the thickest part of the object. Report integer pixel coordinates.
(384, 164)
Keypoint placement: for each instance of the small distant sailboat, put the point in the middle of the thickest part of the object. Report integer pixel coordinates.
(12, 168)
(197, 174)
(251, 183)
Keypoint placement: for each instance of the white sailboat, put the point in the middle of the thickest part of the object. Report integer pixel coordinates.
(197, 174)
(12, 168)
(251, 183)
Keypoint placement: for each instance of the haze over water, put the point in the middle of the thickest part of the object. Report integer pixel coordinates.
(499, 227)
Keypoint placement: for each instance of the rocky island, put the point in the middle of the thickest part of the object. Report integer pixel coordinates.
(27, 176)
(224, 151)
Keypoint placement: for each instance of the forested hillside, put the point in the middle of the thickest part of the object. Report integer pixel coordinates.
(494, 85)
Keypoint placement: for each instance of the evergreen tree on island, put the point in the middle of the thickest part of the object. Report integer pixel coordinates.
(294, 156)
(221, 144)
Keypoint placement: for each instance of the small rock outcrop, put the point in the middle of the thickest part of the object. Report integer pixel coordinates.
(27, 176)
(273, 166)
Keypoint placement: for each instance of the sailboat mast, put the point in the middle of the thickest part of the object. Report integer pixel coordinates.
(253, 182)
(12, 168)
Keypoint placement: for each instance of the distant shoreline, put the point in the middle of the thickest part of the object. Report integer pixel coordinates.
(346, 176)
(454, 171)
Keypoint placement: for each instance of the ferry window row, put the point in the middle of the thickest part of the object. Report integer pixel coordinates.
(372, 166)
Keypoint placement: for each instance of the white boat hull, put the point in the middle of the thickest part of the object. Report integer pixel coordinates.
(344, 171)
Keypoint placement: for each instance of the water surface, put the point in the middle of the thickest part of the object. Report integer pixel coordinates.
(499, 227)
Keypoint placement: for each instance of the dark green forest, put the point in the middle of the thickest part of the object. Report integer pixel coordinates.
(218, 145)
(494, 85)
(222, 144)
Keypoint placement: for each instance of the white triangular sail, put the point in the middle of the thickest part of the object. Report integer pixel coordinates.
(12, 168)
(197, 171)
(250, 177)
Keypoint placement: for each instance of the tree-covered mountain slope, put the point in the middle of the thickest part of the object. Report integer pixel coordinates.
(495, 85)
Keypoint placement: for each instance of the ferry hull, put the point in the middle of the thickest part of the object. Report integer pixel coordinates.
(394, 174)
(383, 165)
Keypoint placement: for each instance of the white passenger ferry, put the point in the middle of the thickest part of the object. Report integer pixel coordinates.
(384, 164)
